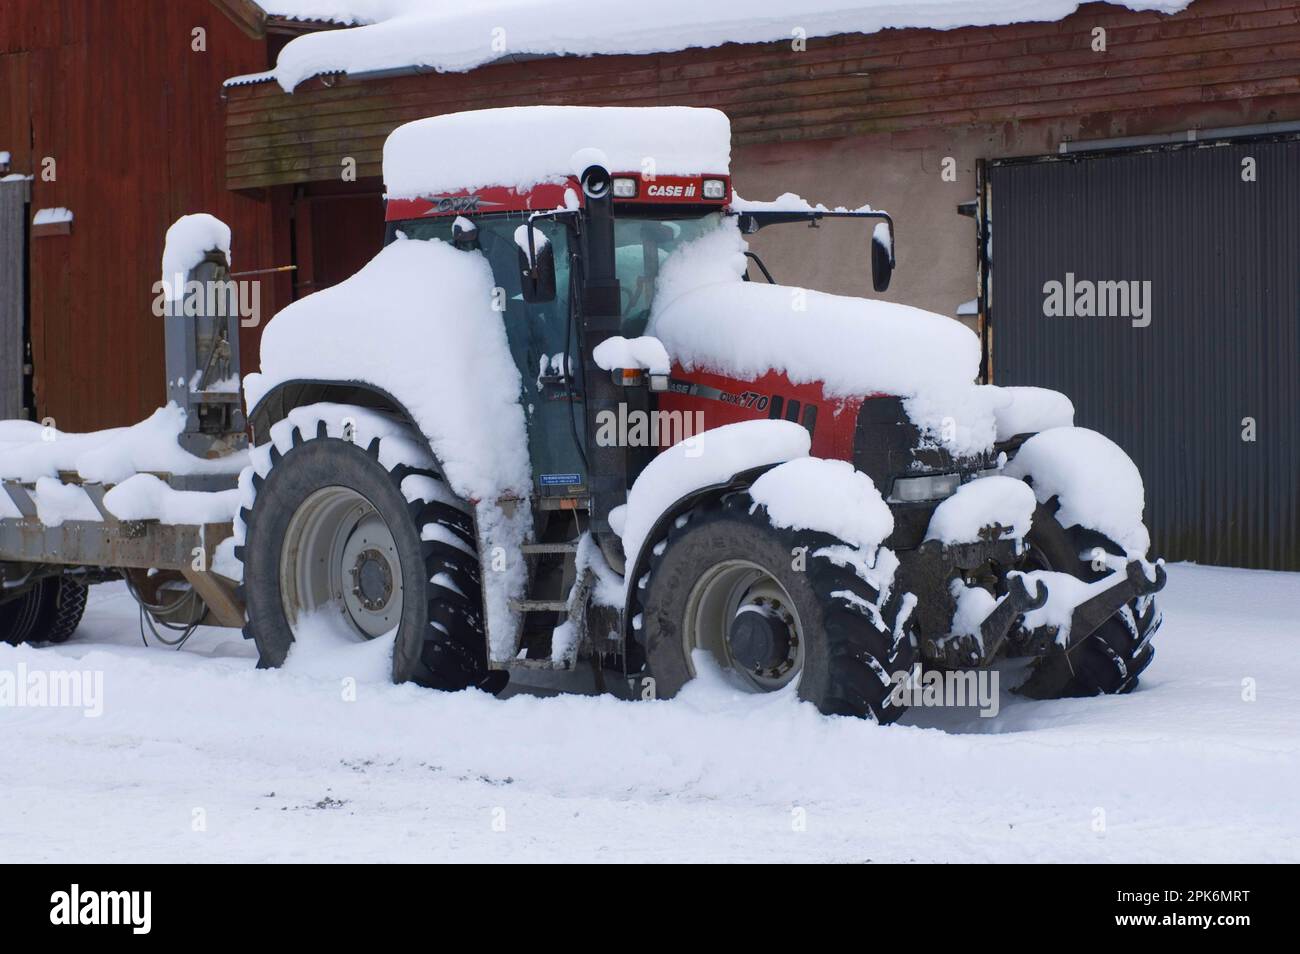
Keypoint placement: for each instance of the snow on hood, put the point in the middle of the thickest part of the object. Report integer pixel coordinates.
(521, 146)
(455, 37)
(418, 322)
(709, 318)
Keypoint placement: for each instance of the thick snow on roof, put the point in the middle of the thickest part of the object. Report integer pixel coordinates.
(347, 12)
(523, 145)
(456, 38)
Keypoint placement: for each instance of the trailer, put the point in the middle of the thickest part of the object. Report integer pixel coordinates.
(567, 430)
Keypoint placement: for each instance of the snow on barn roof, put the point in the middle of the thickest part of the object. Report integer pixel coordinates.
(521, 146)
(401, 34)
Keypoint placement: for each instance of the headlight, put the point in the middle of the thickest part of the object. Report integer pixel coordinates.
(715, 189)
(931, 487)
(624, 188)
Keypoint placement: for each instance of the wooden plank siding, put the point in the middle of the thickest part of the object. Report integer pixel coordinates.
(1219, 60)
(113, 92)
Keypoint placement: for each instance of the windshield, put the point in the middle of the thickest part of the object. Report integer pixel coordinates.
(641, 245)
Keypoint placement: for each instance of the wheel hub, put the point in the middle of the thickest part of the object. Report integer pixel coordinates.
(741, 613)
(372, 579)
(340, 558)
(761, 637)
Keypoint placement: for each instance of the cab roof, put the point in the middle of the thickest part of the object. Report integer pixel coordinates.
(522, 147)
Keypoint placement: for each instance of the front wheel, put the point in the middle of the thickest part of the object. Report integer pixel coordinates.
(774, 607)
(1109, 661)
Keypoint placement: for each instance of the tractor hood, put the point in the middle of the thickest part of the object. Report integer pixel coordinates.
(709, 318)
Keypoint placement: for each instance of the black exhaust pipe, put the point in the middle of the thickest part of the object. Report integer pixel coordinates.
(601, 319)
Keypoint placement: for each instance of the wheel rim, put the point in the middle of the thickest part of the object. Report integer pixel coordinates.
(745, 617)
(339, 559)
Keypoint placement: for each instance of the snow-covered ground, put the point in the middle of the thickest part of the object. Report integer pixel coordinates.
(277, 766)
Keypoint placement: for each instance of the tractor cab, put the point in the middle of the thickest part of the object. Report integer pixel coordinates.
(578, 260)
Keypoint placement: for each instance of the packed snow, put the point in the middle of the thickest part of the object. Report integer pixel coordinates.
(812, 493)
(700, 461)
(1064, 594)
(52, 216)
(145, 497)
(985, 502)
(198, 756)
(455, 38)
(57, 502)
(1029, 410)
(788, 202)
(974, 603)
(646, 352)
(188, 240)
(29, 450)
(469, 150)
(454, 371)
(1098, 485)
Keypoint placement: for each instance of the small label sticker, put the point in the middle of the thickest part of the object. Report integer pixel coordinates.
(560, 480)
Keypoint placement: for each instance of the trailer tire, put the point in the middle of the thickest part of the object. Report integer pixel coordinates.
(49, 612)
(845, 645)
(1110, 660)
(412, 563)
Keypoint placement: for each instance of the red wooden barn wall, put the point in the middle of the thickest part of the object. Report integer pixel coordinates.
(112, 90)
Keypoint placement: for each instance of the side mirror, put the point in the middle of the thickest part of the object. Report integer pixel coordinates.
(882, 256)
(536, 264)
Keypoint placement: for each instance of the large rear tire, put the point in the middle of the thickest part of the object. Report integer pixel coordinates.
(1109, 661)
(727, 581)
(49, 612)
(370, 549)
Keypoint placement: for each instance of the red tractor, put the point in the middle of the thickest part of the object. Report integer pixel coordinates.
(566, 430)
(791, 503)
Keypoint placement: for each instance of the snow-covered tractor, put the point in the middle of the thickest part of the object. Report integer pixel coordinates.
(566, 429)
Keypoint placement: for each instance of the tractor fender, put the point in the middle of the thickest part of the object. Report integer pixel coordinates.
(275, 405)
(738, 481)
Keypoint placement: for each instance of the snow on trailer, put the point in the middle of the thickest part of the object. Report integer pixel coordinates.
(153, 503)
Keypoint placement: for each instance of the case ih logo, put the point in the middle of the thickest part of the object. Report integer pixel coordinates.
(457, 203)
(671, 191)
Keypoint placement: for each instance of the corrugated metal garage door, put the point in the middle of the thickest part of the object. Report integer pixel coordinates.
(1223, 344)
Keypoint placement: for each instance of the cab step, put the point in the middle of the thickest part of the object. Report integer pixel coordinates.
(539, 606)
(537, 548)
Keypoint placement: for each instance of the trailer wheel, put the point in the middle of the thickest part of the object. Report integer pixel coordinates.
(1110, 660)
(49, 612)
(331, 541)
(727, 581)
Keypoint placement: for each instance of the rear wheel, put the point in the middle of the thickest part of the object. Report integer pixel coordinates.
(776, 608)
(335, 539)
(1109, 661)
(49, 612)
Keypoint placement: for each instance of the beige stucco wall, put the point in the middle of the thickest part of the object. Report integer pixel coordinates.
(935, 247)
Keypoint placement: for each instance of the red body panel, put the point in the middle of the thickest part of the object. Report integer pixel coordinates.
(667, 190)
(725, 400)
